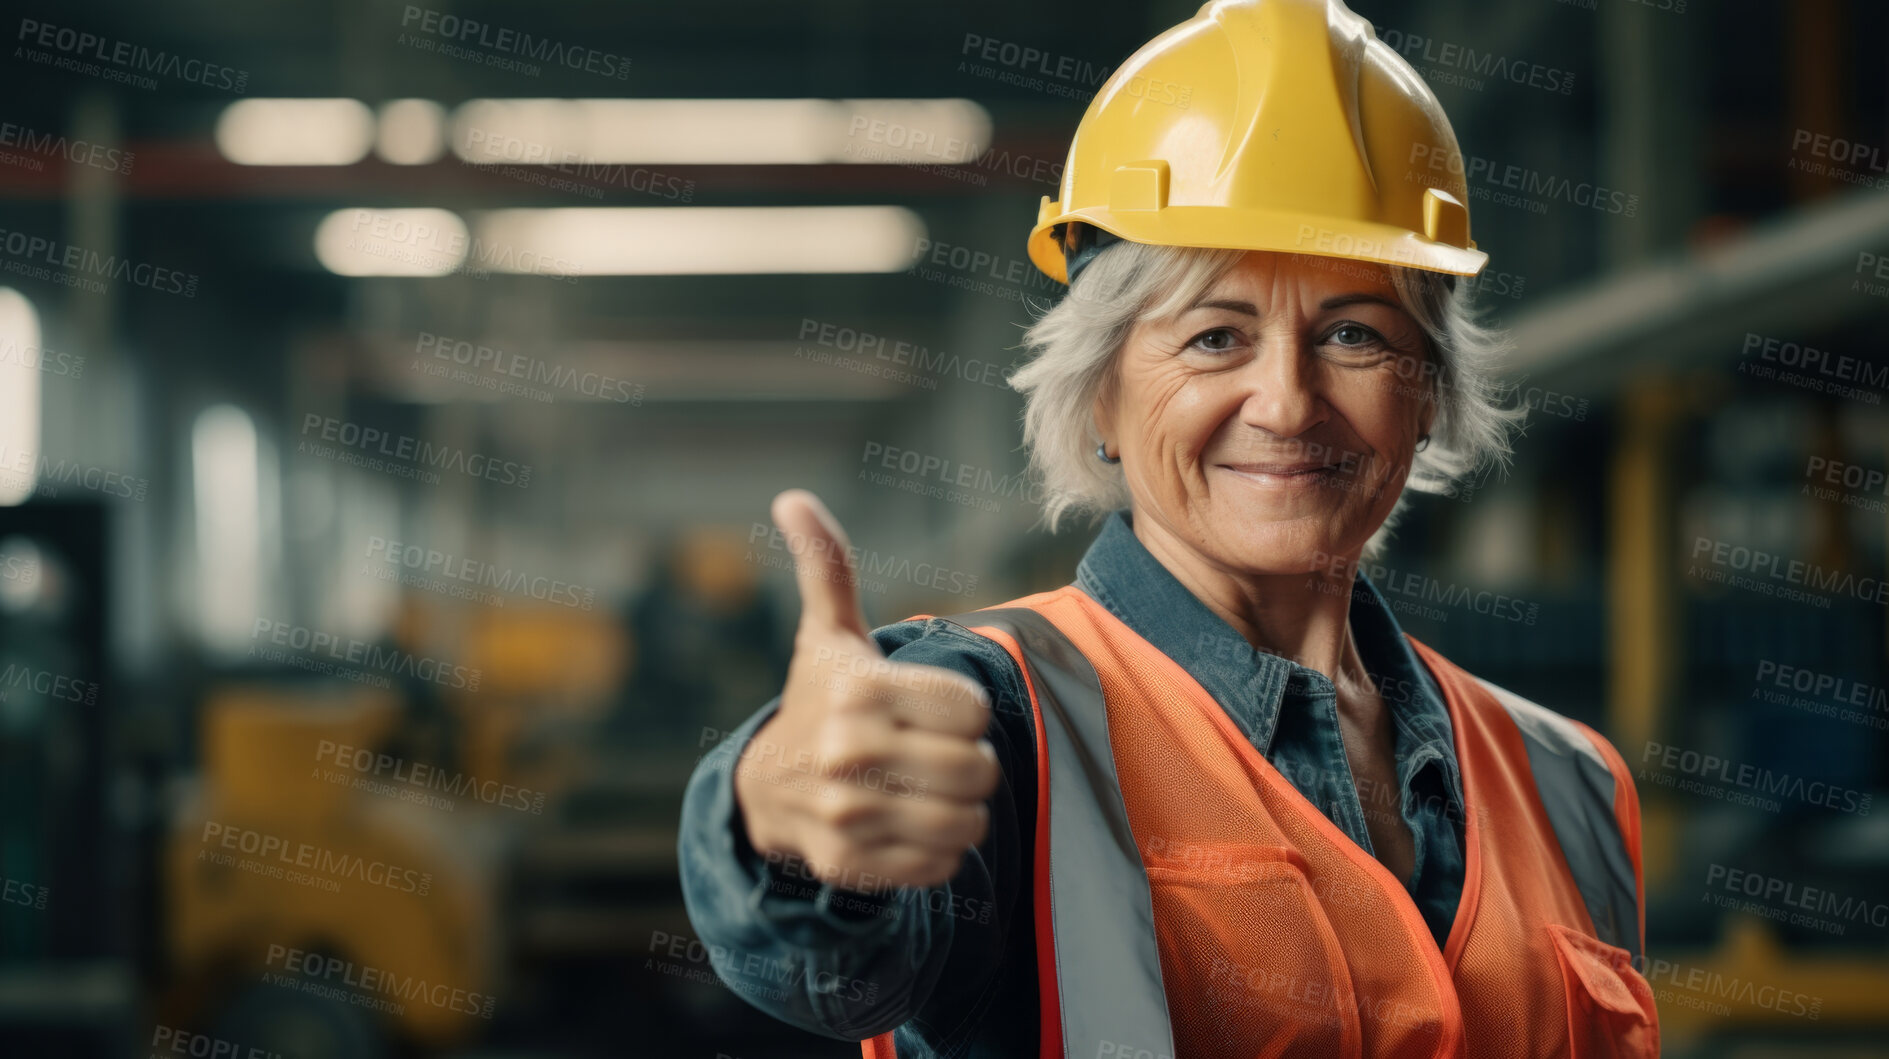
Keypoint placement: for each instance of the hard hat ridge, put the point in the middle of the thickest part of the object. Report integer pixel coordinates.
(1281, 125)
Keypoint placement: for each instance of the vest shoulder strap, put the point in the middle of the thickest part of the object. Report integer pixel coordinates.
(1579, 787)
(1105, 959)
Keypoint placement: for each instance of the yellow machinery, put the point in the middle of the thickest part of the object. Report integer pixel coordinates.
(1748, 981)
(271, 858)
(329, 885)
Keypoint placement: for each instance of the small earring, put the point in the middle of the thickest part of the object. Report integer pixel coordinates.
(1101, 453)
(1423, 443)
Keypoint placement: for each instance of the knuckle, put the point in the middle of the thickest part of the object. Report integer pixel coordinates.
(838, 747)
(919, 705)
(969, 719)
(920, 871)
(845, 695)
(847, 809)
(826, 858)
(859, 687)
(966, 777)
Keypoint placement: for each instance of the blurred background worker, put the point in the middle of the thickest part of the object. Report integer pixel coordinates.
(392, 397)
(1239, 815)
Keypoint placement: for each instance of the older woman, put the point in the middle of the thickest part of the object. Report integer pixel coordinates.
(1207, 800)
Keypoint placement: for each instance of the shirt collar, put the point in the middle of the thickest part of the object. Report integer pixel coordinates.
(1251, 685)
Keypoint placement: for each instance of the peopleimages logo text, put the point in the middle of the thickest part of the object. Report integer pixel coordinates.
(1417, 48)
(1757, 779)
(472, 571)
(511, 42)
(326, 645)
(319, 967)
(526, 367)
(1792, 572)
(315, 858)
(78, 152)
(1418, 586)
(413, 450)
(1824, 685)
(381, 765)
(38, 249)
(1797, 895)
(866, 563)
(1033, 60)
(1478, 172)
(129, 56)
(48, 684)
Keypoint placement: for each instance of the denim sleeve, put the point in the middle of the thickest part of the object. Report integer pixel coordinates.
(847, 964)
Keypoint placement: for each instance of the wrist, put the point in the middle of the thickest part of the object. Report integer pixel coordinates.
(752, 811)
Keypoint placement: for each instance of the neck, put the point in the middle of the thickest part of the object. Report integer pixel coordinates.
(1304, 617)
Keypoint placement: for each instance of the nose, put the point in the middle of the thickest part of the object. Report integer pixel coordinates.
(1283, 383)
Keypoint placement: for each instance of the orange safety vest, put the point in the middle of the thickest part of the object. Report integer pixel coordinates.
(1191, 904)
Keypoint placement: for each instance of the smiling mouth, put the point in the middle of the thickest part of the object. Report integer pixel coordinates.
(1281, 469)
(1282, 474)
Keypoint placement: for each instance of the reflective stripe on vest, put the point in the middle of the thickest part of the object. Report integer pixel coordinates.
(1099, 954)
(1577, 789)
(1108, 969)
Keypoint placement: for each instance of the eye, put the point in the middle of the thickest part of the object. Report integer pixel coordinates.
(1218, 340)
(1354, 336)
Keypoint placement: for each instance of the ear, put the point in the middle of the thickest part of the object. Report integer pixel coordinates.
(1427, 419)
(1102, 413)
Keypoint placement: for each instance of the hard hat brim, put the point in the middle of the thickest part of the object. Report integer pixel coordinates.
(1226, 228)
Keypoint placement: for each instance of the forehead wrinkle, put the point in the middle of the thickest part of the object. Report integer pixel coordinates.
(1310, 291)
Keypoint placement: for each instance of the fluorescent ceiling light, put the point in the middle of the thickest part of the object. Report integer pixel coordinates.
(295, 131)
(720, 131)
(224, 471)
(20, 364)
(411, 242)
(698, 240)
(412, 132)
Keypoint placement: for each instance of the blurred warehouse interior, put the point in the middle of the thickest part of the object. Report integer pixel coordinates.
(386, 541)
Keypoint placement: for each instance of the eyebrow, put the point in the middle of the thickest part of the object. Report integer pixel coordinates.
(1342, 300)
(1228, 304)
(1338, 301)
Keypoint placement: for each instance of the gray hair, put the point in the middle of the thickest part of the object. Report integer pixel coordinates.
(1073, 347)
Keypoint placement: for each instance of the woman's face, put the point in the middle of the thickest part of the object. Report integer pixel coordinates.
(1270, 426)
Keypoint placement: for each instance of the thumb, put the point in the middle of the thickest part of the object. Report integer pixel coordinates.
(823, 567)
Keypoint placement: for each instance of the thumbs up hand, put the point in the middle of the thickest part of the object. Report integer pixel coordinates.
(873, 772)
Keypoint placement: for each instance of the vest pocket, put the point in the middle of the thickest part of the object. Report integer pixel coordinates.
(1611, 1012)
(1250, 963)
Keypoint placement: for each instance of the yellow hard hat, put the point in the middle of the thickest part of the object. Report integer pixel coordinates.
(1279, 125)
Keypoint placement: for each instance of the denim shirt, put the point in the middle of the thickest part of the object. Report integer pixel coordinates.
(953, 968)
